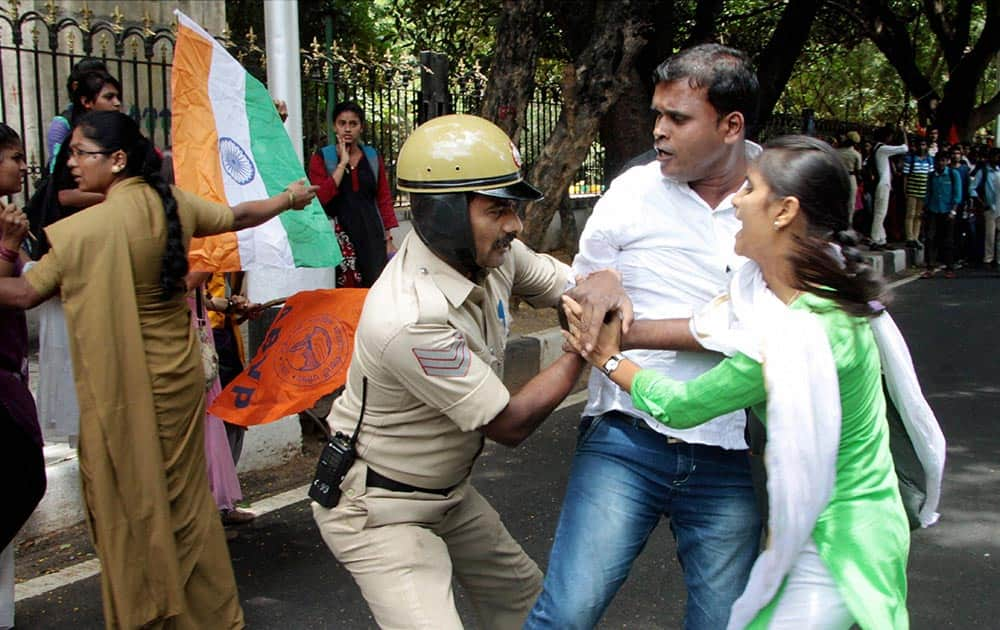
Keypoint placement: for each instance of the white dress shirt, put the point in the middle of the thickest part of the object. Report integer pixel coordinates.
(674, 253)
(882, 155)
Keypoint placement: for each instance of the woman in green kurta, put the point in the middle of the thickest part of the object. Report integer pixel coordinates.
(119, 268)
(804, 357)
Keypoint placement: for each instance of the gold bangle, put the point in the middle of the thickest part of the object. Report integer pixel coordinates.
(291, 199)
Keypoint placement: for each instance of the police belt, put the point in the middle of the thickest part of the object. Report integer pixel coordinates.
(376, 480)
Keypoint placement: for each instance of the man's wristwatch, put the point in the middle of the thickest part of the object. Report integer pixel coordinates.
(612, 363)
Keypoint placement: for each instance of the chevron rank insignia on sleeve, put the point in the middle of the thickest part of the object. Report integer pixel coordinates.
(450, 361)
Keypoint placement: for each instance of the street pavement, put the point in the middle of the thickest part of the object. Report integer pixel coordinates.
(288, 579)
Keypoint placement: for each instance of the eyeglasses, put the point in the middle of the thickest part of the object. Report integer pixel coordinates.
(78, 153)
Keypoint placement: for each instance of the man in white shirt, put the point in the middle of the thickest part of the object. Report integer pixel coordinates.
(668, 228)
(881, 155)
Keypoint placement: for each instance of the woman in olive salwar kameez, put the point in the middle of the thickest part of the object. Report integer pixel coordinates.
(119, 267)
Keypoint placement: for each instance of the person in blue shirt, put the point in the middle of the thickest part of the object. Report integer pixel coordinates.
(965, 221)
(944, 194)
(985, 192)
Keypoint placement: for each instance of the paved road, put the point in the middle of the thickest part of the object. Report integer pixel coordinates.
(288, 579)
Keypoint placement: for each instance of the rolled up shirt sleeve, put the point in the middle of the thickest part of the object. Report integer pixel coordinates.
(538, 278)
(436, 364)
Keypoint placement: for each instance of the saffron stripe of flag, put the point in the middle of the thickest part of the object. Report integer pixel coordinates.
(230, 147)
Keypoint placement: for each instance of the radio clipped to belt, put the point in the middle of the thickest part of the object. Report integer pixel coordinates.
(336, 459)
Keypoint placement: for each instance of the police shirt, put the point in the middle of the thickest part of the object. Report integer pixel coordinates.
(431, 343)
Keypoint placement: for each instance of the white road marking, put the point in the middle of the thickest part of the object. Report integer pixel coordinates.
(72, 574)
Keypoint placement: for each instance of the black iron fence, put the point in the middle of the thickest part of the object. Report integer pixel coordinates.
(397, 93)
(38, 49)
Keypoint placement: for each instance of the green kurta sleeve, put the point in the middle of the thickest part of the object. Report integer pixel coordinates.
(735, 383)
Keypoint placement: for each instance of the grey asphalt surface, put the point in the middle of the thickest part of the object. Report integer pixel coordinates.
(289, 580)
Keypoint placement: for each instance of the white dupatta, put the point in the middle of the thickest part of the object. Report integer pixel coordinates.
(803, 417)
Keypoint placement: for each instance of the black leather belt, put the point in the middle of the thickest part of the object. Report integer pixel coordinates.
(381, 481)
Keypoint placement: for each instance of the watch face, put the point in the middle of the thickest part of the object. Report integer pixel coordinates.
(611, 365)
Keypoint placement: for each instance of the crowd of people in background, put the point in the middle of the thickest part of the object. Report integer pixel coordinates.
(918, 191)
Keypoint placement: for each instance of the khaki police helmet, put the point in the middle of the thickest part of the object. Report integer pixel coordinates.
(461, 153)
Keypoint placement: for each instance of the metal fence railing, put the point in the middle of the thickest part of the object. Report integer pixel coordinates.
(37, 51)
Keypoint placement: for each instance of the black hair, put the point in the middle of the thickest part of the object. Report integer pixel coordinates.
(85, 65)
(726, 72)
(349, 106)
(114, 131)
(89, 86)
(884, 133)
(8, 137)
(811, 171)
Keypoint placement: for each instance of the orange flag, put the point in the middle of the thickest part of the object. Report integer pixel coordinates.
(304, 356)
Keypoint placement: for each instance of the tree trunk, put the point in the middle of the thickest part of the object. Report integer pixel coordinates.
(626, 130)
(776, 62)
(512, 75)
(591, 86)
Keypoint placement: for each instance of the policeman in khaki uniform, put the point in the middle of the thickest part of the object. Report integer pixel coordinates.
(431, 343)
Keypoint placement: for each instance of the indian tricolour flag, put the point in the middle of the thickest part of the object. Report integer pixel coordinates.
(230, 146)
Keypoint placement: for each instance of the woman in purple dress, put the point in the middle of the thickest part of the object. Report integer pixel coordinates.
(21, 457)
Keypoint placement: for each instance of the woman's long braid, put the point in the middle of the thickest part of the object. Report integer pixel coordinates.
(174, 264)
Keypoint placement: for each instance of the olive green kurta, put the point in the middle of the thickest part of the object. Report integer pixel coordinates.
(164, 559)
(862, 535)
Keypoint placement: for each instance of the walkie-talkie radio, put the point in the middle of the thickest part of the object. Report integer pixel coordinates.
(336, 459)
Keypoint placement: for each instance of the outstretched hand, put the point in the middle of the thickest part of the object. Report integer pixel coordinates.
(608, 339)
(301, 194)
(597, 295)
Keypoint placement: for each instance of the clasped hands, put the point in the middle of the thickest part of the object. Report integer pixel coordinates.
(598, 312)
(13, 226)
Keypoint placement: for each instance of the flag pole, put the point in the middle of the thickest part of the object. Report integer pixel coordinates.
(284, 71)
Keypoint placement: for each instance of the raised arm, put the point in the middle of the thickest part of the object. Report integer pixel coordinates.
(15, 292)
(252, 213)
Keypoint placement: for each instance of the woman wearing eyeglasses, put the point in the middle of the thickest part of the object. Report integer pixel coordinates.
(119, 269)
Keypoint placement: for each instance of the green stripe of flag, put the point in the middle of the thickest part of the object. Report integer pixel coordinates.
(309, 233)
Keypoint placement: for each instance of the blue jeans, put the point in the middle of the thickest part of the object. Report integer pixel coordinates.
(624, 477)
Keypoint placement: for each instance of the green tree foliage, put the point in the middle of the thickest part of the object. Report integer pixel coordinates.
(944, 52)
(461, 30)
(360, 24)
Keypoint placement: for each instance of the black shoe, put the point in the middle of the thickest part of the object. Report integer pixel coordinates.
(877, 247)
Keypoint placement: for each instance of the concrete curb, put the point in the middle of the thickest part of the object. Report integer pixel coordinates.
(274, 444)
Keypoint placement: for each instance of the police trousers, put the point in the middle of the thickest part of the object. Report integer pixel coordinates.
(404, 548)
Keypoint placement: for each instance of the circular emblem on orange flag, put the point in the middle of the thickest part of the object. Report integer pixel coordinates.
(314, 352)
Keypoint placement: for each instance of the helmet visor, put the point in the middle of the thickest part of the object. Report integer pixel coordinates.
(519, 191)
